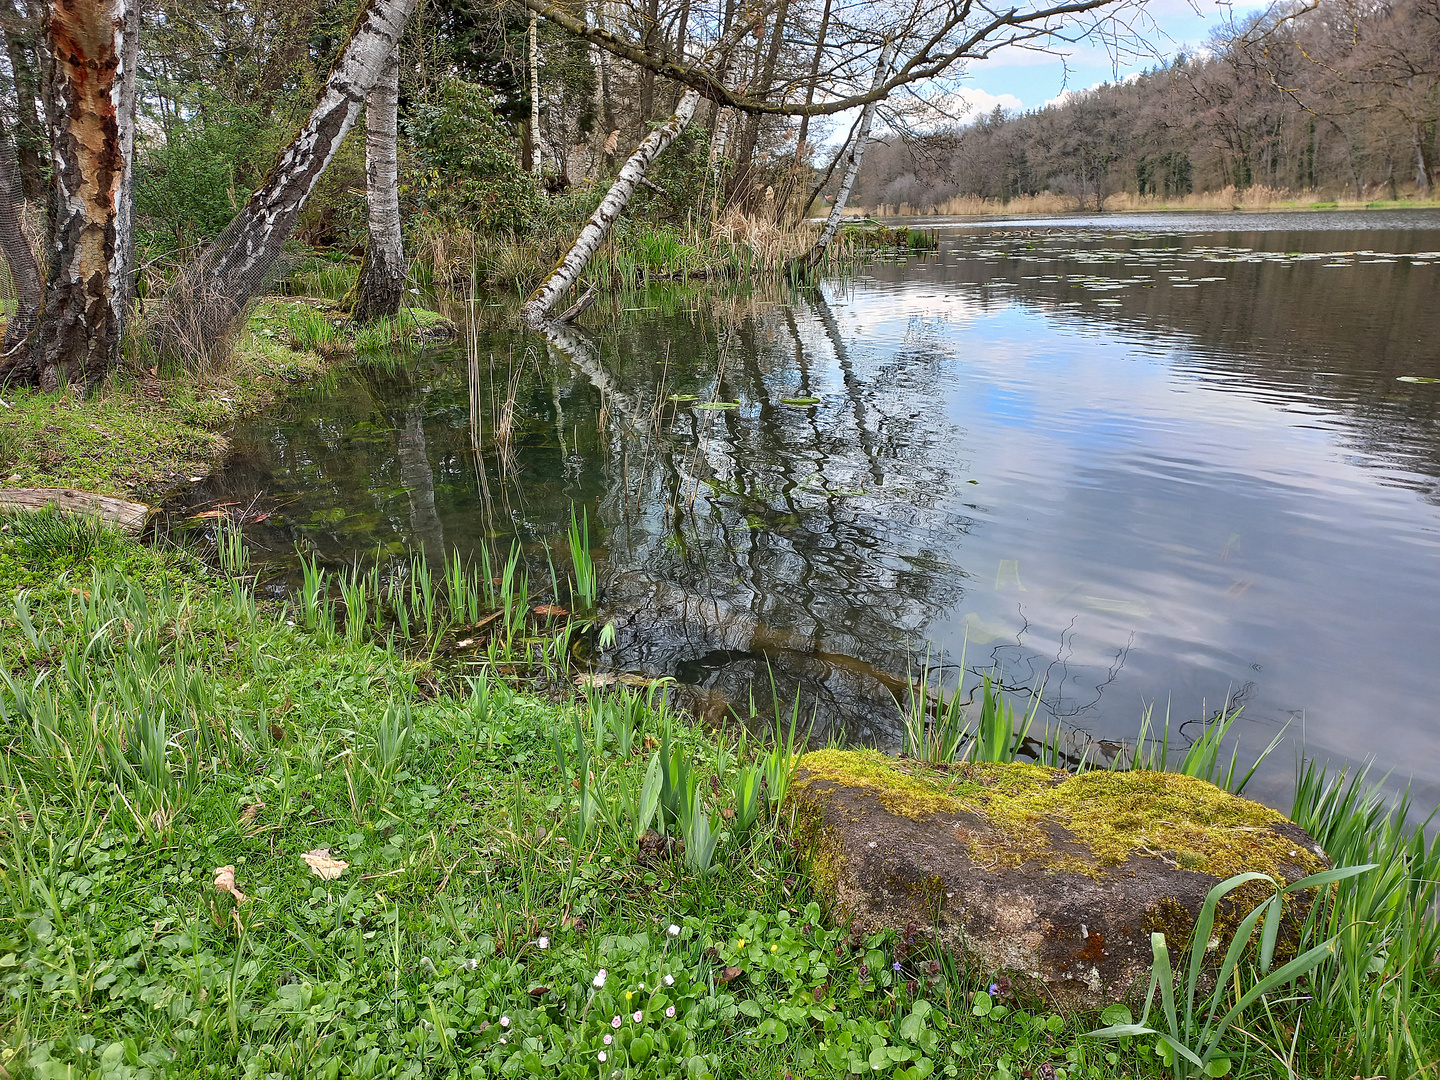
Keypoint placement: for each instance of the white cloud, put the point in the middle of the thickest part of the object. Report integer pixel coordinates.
(963, 106)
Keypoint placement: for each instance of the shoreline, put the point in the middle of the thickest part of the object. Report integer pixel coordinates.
(146, 434)
(268, 832)
(1021, 208)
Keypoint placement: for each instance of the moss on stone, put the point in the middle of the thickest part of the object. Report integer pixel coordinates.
(1073, 823)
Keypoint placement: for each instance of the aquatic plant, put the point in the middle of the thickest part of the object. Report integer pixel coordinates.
(1190, 1042)
(933, 731)
(1202, 758)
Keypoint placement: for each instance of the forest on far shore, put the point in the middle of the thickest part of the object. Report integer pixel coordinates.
(1340, 99)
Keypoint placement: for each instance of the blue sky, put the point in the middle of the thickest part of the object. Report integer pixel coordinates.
(1027, 80)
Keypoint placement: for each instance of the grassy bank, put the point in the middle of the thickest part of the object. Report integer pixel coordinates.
(481, 908)
(246, 839)
(735, 248)
(145, 431)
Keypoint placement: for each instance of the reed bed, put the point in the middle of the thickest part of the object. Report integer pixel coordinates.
(1255, 197)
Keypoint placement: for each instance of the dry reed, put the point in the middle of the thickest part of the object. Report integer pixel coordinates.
(1256, 197)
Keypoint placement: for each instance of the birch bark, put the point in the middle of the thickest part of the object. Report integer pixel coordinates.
(206, 306)
(381, 286)
(92, 129)
(563, 277)
(852, 168)
(536, 165)
(536, 309)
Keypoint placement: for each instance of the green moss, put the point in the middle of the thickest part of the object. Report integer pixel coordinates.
(141, 433)
(1082, 823)
(900, 792)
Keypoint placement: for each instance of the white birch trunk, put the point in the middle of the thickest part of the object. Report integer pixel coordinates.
(92, 131)
(206, 308)
(535, 163)
(537, 308)
(852, 168)
(380, 288)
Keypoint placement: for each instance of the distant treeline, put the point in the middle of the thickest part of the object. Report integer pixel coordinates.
(1340, 99)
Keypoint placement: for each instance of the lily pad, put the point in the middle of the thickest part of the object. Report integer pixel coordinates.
(718, 405)
(1417, 379)
(800, 401)
(683, 397)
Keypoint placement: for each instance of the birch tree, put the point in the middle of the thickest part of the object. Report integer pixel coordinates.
(537, 308)
(205, 306)
(380, 287)
(90, 47)
(932, 42)
(533, 45)
(852, 167)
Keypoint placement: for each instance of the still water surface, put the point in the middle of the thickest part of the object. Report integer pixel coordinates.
(1162, 458)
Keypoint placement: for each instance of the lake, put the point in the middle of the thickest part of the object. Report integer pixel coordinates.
(1161, 460)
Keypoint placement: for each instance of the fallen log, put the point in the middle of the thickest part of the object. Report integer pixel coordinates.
(129, 516)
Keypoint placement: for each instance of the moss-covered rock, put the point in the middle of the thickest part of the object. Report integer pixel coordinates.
(1033, 871)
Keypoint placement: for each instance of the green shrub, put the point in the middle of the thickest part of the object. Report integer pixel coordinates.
(191, 186)
(680, 174)
(465, 169)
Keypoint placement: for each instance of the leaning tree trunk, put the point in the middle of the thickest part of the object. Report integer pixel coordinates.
(536, 308)
(563, 277)
(24, 271)
(92, 128)
(381, 285)
(205, 306)
(857, 152)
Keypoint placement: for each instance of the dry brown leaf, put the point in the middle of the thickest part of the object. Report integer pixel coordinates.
(322, 865)
(549, 609)
(225, 882)
(250, 813)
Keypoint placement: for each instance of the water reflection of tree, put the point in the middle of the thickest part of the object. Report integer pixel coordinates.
(778, 532)
(426, 532)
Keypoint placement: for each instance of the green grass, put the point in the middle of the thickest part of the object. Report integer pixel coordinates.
(162, 725)
(308, 327)
(142, 433)
(321, 278)
(139, 435)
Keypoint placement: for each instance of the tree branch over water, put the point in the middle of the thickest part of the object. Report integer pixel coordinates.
(930, 42)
